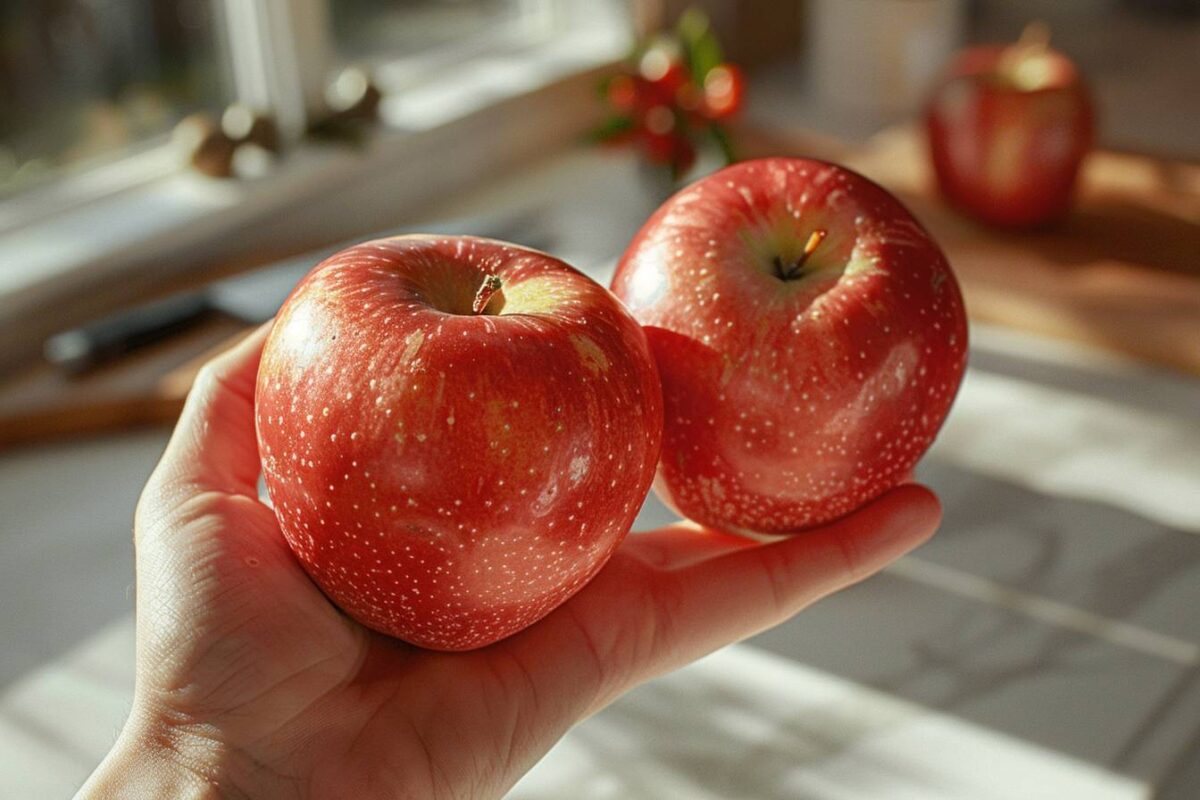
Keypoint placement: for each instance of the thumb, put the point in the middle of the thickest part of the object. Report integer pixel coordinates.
(214, 447)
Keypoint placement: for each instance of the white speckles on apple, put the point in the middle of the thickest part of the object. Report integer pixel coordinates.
(396, 573)
(578, 469)
(859, 347)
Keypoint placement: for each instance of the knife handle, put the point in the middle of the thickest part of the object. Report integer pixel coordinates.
(88, 346)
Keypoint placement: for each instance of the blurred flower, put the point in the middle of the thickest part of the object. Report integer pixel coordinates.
(673, 94)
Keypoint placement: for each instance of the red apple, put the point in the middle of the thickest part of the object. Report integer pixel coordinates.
(1008, 128)
(456, 433)
(809, 335)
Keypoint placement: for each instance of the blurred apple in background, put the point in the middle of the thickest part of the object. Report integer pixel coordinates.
(1008, 128)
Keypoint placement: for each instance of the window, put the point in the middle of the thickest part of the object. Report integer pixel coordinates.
(82, 80)
(374, 29)
(89, 88)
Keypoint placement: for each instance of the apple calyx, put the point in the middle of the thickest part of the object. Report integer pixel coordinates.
(491, 284)
(796, 269)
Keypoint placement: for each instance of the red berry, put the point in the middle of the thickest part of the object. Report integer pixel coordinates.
(659, 120)
(724, 91)
(623, 93)
(664, 75)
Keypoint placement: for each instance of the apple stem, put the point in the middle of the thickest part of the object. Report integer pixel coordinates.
(1035, 37)
(1034, 41)
(791, 273)
(491, 284)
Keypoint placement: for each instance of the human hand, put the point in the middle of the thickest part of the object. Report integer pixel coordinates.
(250, 683)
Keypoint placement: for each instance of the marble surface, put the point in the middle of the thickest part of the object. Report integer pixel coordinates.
(759, 727)
(1043, 644)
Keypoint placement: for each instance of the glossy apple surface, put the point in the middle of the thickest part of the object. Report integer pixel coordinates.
(449, 477)
(810, 337)
(1008, 129)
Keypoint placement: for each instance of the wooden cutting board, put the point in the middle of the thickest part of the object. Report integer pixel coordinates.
(146, 387)
(1122, 273)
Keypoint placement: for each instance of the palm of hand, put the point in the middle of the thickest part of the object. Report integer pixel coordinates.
(242, 658)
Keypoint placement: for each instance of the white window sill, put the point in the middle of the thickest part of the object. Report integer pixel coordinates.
(479, 117)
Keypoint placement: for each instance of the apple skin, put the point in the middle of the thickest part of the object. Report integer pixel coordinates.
(1005, 152)
(449, 478)
(788, 403)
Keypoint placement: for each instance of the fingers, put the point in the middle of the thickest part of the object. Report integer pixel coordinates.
(673, 595)
(681, 544)
(746, 590)
(214, 445)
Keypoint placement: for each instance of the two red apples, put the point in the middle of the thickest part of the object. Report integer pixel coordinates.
(457, 433)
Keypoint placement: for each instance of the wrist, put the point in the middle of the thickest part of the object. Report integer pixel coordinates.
(132, 769)
(151, 761)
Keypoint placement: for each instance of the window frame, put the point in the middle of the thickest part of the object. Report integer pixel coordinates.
(70, 241)
(248, 31)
